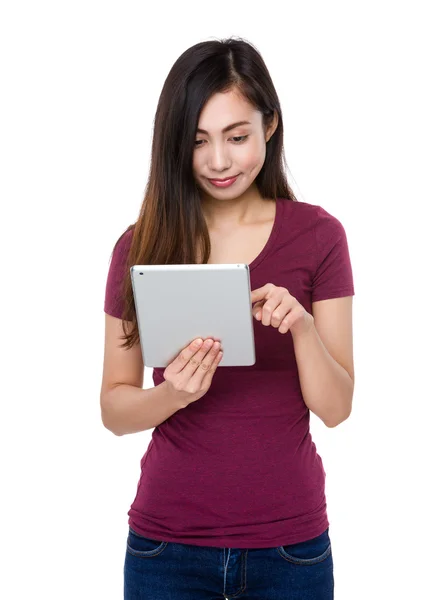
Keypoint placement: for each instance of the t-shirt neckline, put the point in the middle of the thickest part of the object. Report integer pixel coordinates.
(272, 237)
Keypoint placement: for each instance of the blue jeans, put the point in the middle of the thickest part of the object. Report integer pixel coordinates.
(159, 570)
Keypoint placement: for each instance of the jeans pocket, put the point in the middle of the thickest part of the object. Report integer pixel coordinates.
(309, 552)
(139, 545)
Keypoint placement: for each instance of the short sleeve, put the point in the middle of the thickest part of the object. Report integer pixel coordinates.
(113, 301)
(333, 277)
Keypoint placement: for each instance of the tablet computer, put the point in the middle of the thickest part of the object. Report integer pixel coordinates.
(177, 303)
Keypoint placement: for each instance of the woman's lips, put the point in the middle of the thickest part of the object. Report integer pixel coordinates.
(224, 183)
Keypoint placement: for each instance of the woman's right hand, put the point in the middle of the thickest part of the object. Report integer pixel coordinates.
(191, 372)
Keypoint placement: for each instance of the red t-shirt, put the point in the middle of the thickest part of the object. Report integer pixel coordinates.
(238, 468)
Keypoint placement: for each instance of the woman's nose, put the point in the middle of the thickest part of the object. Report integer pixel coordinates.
(219, 161)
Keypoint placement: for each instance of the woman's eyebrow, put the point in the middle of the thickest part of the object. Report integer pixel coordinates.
(228, 128)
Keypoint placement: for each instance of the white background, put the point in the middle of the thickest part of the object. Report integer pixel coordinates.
(363, 89)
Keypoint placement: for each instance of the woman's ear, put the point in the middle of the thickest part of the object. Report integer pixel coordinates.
(270, 129)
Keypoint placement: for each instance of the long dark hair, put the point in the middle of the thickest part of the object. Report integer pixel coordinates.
(171, 225)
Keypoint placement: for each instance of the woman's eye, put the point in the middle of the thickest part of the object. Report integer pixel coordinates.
(241, 138)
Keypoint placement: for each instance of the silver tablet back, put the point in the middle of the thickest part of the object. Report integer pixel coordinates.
(177, 303)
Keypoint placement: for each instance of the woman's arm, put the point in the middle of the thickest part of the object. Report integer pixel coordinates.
(324, 356)
(130, 409)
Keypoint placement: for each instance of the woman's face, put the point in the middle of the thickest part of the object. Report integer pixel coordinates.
(221, 154)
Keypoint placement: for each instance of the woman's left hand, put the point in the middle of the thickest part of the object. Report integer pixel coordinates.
(275, 306)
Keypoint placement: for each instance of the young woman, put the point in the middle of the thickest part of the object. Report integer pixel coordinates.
(231, 498)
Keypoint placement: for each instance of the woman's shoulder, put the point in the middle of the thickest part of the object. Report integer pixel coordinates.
(124, 240)
(299, 212)
(312, 214)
